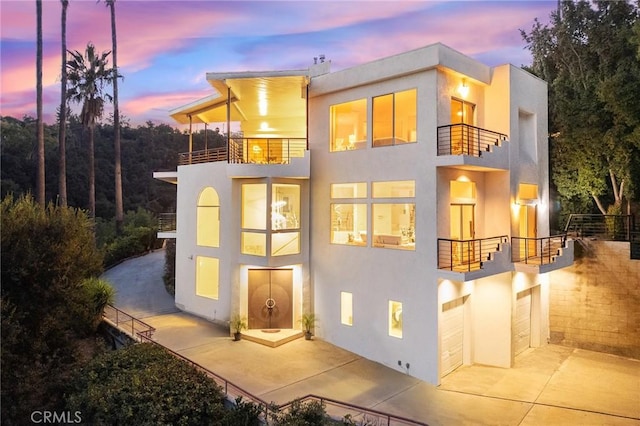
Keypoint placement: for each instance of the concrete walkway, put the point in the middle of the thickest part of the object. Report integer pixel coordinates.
(551, 385)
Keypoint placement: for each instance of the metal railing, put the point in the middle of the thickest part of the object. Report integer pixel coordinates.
(537, 251)
(202, 156)
(464, 139)
(600, 226)
(266, 150)
(249, 150)
(167, 222)
(138, 330)
(467, 255)
(232, 391)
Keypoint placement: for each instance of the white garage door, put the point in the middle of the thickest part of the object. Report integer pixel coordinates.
(452, 332)
(522, 326)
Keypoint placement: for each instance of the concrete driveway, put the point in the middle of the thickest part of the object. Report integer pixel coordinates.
(551, 385)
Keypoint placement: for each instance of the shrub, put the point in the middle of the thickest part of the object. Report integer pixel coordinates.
(169, 276)
(144, 385)
(300, 413)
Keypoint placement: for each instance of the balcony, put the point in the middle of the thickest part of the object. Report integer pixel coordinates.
(463, 144)
(249, 151)
(167, 225)
(465, 260)
(540, 255)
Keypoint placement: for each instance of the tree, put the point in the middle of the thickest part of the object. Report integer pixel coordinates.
(116, 120)
(62, 126)
(588, 56)
(88, 76)
(47, 253)
(40, 180)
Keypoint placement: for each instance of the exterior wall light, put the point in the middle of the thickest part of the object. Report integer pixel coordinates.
(463, 89)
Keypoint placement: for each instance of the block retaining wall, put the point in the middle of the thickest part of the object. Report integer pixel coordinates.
(595, 304)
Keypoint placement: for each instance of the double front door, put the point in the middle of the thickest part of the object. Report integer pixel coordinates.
(270, 298)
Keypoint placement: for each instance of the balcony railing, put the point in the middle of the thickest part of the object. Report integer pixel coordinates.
(464, 139)
(536, 251)
(266, 150)
(249, 150)
(467, 255)
(600, 226)
(203, 156)
(167, 222)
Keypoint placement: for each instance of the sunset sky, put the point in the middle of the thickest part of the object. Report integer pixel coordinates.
(166, 47)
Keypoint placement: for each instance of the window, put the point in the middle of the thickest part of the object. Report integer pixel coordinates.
(395, 118)
(395, 319)
(285, 216)
(346, 308)
(349, 224)
(207, 277)
(349, 190)
(394, 189)
(348, 125)
(394, 223)
(462, 112)
(254, 217)
(208, 219)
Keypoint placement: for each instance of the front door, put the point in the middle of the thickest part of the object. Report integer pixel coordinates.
(270, 298)
(463, 230)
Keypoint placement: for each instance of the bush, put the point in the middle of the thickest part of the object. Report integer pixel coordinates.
(47, 253)
(311, 413)
(144, 385)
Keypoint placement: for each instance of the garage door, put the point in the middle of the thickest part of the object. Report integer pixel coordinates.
(452, 332)
(522, 326)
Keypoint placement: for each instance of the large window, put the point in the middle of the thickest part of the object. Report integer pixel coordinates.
(254, 217)
(284, 216)
(394, 223)
(349, 224)
(349, 220)
(285, 219)
(208, 219)
(349, 125)
(395, 118)
(207, 277)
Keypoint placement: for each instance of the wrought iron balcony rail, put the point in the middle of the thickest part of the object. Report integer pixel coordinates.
(250, 151)
(167, 222)
(537, 251)
(467, 255)
(600, 226)
(464, 139)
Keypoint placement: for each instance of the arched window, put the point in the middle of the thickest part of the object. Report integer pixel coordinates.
(208, 220)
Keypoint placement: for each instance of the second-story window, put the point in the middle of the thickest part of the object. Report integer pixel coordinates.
(208, 219)
(348, 125)
(395, 118)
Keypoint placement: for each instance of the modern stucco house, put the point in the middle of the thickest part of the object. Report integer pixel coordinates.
(403, 201)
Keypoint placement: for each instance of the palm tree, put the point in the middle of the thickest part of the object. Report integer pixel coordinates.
(116, 119)
(40, 124)
(62, 126)
(88, 76)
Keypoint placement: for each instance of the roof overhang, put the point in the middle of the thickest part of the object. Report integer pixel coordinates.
(253, 95)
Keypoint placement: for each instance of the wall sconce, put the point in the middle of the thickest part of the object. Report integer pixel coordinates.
(463, 89)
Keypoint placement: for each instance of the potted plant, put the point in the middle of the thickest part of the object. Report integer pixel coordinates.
(308, 321)
(237, 324)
